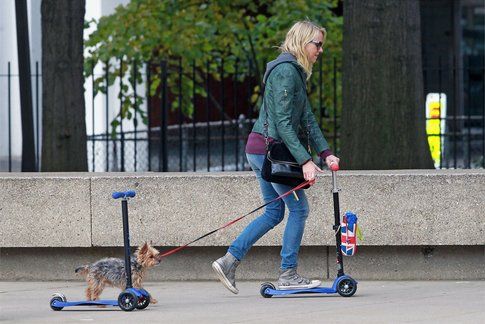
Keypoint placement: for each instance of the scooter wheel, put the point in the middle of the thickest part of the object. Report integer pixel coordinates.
(57, 297)
(143, 302)
(265, 285)
(54, 299)
(127, 301)
(61, 295)
(347, 287)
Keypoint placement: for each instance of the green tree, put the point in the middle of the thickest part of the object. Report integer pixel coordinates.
(200, 32)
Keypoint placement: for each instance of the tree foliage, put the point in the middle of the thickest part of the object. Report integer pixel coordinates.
(201, 33)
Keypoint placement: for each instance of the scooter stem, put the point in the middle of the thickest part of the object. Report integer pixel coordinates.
(336, 227)
(126, 237)
(334, 181)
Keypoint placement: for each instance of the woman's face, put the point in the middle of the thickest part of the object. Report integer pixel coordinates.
(314, 48)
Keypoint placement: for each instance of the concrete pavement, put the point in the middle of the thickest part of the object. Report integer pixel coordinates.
(208, 302)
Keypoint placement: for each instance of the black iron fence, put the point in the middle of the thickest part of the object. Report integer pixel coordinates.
(218, 146)
(457, 87)
(212, 138)
(10, 119)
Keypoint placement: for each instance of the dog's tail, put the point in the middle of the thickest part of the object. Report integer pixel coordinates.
(83, 270)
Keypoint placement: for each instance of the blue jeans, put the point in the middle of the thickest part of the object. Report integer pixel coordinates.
(272, 216)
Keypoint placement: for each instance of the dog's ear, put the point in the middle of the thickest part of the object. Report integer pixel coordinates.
(144, 248)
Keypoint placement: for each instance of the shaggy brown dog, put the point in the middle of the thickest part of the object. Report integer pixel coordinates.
(111, 271)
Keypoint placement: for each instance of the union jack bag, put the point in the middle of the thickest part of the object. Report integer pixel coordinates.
(349, 233)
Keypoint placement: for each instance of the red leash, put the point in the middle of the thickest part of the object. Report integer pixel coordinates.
(172, 251)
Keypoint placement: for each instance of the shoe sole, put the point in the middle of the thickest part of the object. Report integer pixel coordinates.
(315, 283)
(222, 277)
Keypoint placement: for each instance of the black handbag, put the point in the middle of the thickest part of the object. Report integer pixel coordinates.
(279, 165)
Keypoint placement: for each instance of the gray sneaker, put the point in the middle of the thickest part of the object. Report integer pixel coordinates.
(290, 279)
(225, 269)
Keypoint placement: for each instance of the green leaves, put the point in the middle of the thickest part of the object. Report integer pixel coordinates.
(199, 31)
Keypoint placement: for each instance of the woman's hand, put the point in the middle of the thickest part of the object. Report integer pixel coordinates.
(331, 159)
(309, 170)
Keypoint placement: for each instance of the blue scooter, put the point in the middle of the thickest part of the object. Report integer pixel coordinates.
(344, 285)
(130, 298)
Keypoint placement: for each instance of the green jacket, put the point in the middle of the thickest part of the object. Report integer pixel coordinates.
(289, 111)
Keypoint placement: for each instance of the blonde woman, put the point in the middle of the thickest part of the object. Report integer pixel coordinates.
(288, 110)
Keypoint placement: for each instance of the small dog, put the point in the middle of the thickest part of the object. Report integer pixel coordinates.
(111, 271)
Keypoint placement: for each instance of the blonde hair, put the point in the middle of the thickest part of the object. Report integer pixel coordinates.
(299, 35)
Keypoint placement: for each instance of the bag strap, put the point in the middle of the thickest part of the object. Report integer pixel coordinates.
(266, 125)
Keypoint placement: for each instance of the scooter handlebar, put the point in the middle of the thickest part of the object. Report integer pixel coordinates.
(334, 167)
(123, 194)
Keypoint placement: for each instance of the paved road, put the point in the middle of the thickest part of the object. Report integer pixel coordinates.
(209, 302)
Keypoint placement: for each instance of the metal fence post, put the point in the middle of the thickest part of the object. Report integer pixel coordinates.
(163, 122)
(180, 114)
(93, 137)
(236, 117)
(107, 114)
(194, 130)
(455, 125)
(135, 106)
(208, 118)
(222, 113)
(122, 153)
(149, 106)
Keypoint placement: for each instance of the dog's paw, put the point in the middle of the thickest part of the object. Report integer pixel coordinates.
(153, 301)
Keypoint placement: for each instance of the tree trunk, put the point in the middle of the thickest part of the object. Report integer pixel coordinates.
(383, 118)
(64, 127)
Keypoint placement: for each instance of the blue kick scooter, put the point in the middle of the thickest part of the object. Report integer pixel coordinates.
(130, 298)
(344, 285)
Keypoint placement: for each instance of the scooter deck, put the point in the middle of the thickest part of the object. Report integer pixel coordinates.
(105, 302)
(316, 290)
(343, 285)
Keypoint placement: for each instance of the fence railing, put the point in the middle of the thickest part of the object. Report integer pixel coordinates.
(213, 137)
(210, 139)
(462, 128)
(10, 119)
(189, 148)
